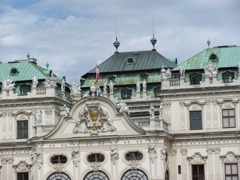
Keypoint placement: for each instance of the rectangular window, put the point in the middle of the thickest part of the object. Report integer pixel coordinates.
(195, 120)
(228, 116)
(231, 171)
(198, 172)
(22, 176)
(22, 129)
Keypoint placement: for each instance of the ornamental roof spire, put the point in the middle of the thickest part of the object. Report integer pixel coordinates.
(208, 42)
(153, 40)
(116, 43)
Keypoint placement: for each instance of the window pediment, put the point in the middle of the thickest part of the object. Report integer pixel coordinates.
(197, 158)
(230, 157)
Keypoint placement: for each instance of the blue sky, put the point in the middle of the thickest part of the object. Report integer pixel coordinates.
(73, 35)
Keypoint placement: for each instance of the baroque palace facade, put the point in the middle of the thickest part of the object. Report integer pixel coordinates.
(147, 118)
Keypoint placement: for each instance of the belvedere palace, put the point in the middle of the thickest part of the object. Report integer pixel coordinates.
(136, 116)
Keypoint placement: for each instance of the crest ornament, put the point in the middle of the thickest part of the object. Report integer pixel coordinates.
(93, 119)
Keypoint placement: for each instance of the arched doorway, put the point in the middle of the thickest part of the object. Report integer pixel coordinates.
(135, 174)
(96, 175)
(58, 176)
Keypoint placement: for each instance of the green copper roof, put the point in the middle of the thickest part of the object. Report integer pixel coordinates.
(134, 61)
(22, 71)
(227, 56)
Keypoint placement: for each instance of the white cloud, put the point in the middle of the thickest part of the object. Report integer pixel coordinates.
(73, 35)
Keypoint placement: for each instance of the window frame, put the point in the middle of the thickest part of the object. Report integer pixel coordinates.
(228, 117)
(198, 173)
(230, 175)
(22, 128)
(192, 78)
(23, 174)
(25, 89)
(191, 119)
(226, 75)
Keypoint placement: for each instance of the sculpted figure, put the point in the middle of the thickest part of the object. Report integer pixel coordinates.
(111, 86)
(122, 107)
(8, 84)
(64, 110)
(63, 85)
(75, 89)
(138, 86)
(144, 83)
(34, 81)
(182, 71)
(151, 112)
(168, 73)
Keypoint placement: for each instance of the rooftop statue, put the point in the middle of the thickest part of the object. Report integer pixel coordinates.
(34, 81)
(211, 70)
(75, 89)
(8, 84)
(182, 71)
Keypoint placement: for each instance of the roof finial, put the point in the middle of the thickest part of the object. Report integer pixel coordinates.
(153, 40)
(116, 43)
(208, 42)
(47, 65)
(28, 56)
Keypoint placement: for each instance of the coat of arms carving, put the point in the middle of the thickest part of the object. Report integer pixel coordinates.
(93, 119)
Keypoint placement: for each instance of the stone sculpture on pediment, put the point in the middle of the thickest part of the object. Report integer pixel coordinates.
(122, 106)
(93, 119)
(64, 110)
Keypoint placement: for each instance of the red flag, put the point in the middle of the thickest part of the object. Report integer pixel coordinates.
(97, 75)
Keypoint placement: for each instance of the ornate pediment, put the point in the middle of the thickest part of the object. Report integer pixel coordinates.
(93, 119)
(230, 157)
(22, 166)
(197, 158)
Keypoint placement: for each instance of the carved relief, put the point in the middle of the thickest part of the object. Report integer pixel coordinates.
(37, 158)
(167, 111)
(95, 166)
(114, 155)
(197, 158)
(93, 119)
(230, 157)
(208, 114)
(152, 153)
(48, 113)
(22, 166)
(75, 157)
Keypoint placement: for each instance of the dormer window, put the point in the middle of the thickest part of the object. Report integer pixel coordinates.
(195, 78)
(24, 89)
(130, 60)
(143, 76)
(228, 77)
(14, 71)
(111, 78)
(213, 57)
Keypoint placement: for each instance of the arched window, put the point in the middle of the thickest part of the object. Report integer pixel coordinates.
(126, 93)
(195, 78)
(227, 77)
(96, 175)
(24, 89)
(135, 174)
(58, 176)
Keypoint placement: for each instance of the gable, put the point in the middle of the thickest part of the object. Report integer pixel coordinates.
(94, 117)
